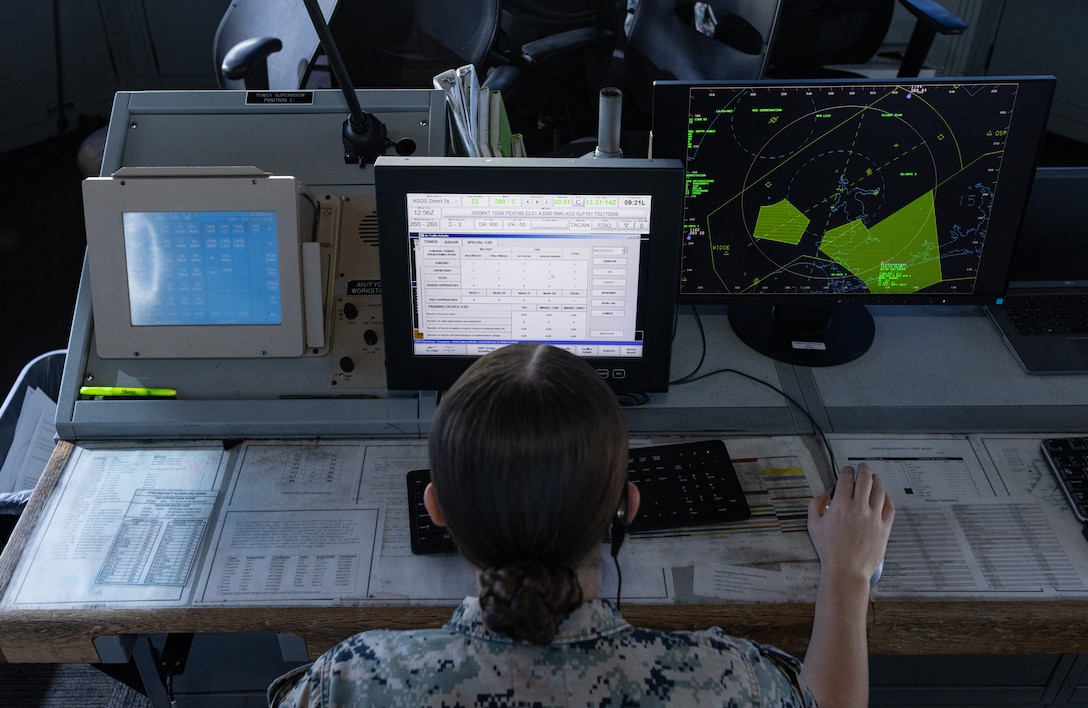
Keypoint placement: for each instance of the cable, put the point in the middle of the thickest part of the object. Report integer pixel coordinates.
(702, 337)
(629, 400)
(692, 378)
(316, 216)
(619, 580)
(816, 426)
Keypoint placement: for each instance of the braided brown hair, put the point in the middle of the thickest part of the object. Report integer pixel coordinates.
(527, 601)
(528, 456)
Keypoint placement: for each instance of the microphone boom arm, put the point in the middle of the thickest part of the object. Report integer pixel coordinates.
(364, 136)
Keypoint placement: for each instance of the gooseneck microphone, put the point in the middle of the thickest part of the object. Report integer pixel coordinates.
(363, 135)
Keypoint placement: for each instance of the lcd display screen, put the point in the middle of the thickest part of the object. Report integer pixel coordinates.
(202, 268)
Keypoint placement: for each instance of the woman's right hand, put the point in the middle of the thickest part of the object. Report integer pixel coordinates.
(850, 529)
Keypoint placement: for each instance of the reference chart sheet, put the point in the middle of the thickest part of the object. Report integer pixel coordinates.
(123, 527)
(324, 523)
(976, 516)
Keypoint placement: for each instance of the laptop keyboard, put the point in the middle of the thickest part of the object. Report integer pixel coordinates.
(1068, 458)
(1048, 313)
(682, 484)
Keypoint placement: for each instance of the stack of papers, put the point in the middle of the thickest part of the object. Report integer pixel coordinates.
(480, 123)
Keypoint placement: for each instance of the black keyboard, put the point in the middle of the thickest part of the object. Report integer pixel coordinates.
(1068, 458)
(681, 484)
(1048, 313)
(685, 484)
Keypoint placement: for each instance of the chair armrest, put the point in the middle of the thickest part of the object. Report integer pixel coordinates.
(248, 59)
(502, 78)
(936, 15)
(546, 48)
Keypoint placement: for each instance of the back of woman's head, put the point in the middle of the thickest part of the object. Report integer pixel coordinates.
(528, 457)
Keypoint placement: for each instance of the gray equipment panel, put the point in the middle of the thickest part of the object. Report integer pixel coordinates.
(337, 389)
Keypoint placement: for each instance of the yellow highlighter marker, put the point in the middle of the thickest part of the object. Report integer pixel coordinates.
(126, 391)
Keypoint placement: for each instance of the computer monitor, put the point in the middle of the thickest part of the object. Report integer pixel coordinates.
(478, 253)
(807, 200)
(196, 263)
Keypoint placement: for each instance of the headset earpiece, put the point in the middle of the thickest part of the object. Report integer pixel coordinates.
(619, 523)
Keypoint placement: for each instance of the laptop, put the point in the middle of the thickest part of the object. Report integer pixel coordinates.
(1051, 259)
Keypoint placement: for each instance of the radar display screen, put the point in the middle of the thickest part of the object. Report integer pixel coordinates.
(857, 190)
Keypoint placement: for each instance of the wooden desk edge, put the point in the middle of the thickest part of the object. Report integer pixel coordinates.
(895, 627)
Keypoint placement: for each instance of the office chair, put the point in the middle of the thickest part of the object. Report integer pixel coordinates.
(261, 44)
(524, 21)
(403, 44)
(664, 44)
(813, 34)
(562, 50)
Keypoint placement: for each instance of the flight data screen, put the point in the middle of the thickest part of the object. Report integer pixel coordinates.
(856, 189)
(495, 269)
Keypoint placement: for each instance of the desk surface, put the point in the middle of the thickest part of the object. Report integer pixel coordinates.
(1007, 616)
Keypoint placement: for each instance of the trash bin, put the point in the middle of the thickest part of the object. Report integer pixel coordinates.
(44, 372)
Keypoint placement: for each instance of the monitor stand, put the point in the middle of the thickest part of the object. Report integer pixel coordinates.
(809, 335)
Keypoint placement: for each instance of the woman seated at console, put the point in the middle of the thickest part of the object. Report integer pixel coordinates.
(528, 458)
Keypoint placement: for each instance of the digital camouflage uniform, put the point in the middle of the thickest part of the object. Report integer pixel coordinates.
(597, 659)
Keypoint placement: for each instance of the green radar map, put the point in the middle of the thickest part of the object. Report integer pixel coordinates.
(896, 255)
(841, 189)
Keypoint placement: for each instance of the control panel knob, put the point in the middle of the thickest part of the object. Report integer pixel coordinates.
(370, 337)
(346, 364)
(351, 311)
